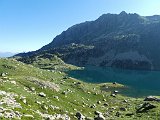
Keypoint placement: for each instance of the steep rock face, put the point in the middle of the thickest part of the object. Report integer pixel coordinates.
(118, 40)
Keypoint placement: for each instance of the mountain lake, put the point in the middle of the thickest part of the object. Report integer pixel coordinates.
(138, 83)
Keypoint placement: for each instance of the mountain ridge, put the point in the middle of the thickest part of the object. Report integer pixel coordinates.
(111, 40)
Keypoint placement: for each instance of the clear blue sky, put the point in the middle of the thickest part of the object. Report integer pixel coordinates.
(27, 25)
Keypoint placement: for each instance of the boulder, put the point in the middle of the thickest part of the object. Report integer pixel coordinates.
(116, 91)
(80, 116)
(106, 104)
(113, 95)
(99, 117)
(122, 109)
(32, 88)
(98, 102)
(145, 107)
(118, 114)
(97, 113)
(3, 74)
(152, 98)
(42, 94)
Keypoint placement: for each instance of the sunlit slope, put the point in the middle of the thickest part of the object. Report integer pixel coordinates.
(31, 93)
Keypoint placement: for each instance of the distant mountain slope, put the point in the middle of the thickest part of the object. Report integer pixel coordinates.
(6, 54)
(120, 40)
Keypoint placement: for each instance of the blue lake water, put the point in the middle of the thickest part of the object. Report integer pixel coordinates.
(140, 83)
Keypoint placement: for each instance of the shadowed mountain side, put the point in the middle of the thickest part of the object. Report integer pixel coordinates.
(128, 41)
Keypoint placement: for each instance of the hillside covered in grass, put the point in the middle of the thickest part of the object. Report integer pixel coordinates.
(30, 93)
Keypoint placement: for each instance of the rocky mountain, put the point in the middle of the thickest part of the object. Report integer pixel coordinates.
(122, 40)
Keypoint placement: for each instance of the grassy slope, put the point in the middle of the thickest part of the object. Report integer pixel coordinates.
(83, 95)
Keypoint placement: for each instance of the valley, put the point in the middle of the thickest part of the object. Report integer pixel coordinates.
(30, 93)
(106, 69)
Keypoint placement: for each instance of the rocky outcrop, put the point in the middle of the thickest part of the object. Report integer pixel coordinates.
(152, 98)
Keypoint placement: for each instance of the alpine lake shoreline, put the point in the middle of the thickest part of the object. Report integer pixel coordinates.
(32, 92)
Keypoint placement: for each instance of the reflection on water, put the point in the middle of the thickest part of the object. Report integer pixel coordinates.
(141, 83)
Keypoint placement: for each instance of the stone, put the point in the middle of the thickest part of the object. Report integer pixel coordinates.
(99, 117)
(106, 104)
(38, 102)
(3, 74)
(116, 91)
(125, 101)
(13, 82)
(32, 88)
(152, 98)
(42, 94)
(88, 118)
(113, 95)
(97, 113)
(129, 114)
(56, 97)
(64, 92)
(28, 116)
(122, 109)
(145, 107)
(114, 83)
(118, 114)
(98, 102)
(93, 106)
(24, 101)
(80, 116)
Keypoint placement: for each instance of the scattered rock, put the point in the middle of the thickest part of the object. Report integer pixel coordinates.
(114, 83)
(129, 114)
(152, 98)
(80, 116)
(118, 114)
(93, 106)
(13, 82)
(125, 101)
(32, 88)
(97, 113)
(44, 84)
(28, 116)
(56, 97)
(42, 94)
(24, 101)
(98, 102)
(122, 109)
(113, 95)
(89, 118)
(116, 91)
(54, 107)
(38, 102)
(64, 92)
(106, 104)
(145, 107)
(100, 117)
(3, 74)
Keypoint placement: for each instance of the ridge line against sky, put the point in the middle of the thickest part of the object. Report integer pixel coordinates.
(27, 25)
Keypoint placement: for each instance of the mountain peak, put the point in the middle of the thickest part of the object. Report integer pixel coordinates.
(123, 13)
